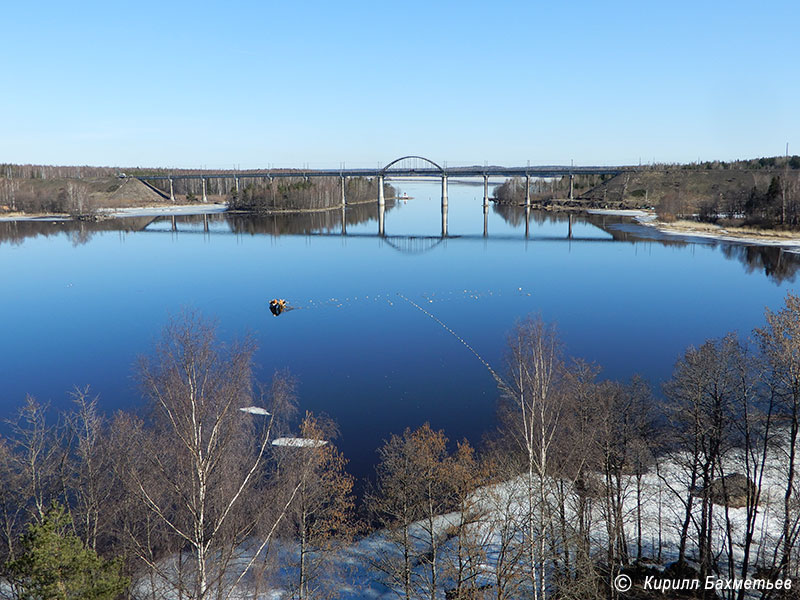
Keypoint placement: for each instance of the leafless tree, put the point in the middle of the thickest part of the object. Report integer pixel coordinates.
(780, 346)
(321, 518)
(202, 466)
(535, 368)
(413, 490)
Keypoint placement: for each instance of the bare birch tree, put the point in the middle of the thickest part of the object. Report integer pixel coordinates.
(535, 367)
(203, 465)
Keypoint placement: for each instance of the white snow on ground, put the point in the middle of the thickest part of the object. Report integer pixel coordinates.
(648, 220)
(157, 211)
(143, 211)
(662, 515)
(46, 219)
(620, 212)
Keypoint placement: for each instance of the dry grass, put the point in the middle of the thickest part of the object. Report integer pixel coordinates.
(683, 226)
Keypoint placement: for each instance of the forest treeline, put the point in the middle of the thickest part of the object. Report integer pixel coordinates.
(211, 493)
(287, 193)
(512, 190)
(763, 192)
(80, 191)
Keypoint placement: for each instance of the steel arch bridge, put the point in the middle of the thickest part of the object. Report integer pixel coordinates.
(410, 165)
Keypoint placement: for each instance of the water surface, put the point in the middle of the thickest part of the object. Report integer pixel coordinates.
(81, 301)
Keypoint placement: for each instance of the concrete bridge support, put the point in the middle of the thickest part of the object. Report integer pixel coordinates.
(485, 205)
(571, 185)
(343, 181)
(171, 191)
(236, 182)
(527, 221)
(381, 207)
(205, 196)
(527, 190)
(444, 205)
(344, 221)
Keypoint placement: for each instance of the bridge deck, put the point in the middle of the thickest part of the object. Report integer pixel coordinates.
(546, 171)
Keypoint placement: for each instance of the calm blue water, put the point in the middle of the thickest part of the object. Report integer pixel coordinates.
(80, 313)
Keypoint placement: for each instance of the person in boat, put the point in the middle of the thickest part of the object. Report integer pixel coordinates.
(277, 306)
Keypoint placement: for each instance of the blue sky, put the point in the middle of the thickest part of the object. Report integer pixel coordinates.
(252, 84)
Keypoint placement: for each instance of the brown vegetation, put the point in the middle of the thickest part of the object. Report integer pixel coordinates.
(194, 497)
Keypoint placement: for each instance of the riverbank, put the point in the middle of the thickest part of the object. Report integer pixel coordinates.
(160, 210)
(156, 210)
(695, 229)
(743, 235)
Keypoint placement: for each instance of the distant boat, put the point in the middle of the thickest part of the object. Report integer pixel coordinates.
(405, 196)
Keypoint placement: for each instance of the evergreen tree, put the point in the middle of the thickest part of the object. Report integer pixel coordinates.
(54, 564)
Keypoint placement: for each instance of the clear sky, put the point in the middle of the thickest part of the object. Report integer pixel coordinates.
(258, 83)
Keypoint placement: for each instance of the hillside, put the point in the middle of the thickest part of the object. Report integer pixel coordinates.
(762, 198)
(69, 195)
(689, 188)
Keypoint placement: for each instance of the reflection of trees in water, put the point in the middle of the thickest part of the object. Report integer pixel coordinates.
(329, 221)
(773, 261)
(515, 215)
(80, 232)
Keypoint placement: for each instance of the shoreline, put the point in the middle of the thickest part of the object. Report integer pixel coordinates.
(721, 234)
(708, 231)
(644, 218)
(159, 210)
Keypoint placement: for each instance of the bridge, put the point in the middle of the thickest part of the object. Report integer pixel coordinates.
(405, 166)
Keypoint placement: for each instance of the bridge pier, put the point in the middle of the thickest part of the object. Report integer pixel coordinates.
(236, 182)
(381, 219)
(171, 191)
(527, 221)
(444, 219)
(344, 187)
(381, 199)
(205, 196)
(571, 185)
(444, 190)
(527, 190)
(485, 205)
(344, 221)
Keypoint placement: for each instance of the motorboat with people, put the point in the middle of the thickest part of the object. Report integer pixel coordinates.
(277, 306)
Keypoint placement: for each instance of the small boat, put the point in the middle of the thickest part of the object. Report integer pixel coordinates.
(277, 306)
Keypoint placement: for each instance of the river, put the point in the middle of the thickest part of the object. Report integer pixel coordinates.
(81, 301)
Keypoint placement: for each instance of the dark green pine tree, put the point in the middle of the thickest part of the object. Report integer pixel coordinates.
(55, 565)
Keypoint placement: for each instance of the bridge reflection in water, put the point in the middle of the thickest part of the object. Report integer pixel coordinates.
(335, 223)
(774, 262)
